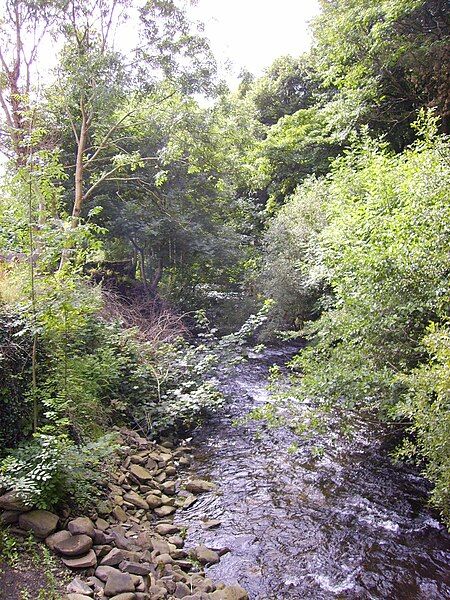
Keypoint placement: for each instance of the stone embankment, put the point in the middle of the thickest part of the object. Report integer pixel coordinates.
(130, 548)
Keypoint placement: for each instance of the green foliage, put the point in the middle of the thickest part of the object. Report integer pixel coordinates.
(385, 249)
(426, 406)
(293, 274)
(51, 469)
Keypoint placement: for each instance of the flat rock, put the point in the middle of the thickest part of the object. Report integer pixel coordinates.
(75, 545)
(103, 572)
(136, 500)
(198, 486)
(153, 501)
(41, 522)
(140, 472)
(10, 501)
(79, 587)
(57, 537)
(113, 558)
(165, 511)
(232, 592)
(101, 524)
(81, 525)
(135, 568)
(166, 529)
(211, 524)
(78, 597)
(120, 514)
(81, 562)
(205, 556)
(118, 583)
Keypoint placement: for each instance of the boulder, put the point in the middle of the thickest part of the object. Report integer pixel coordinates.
(57, 537)
(41, 522)
(165, 511)
(101, 524)
(103, 572)
(153, 501)
(140, 472)
(166, 528)
(81, 562)
(181, 590)
(113, 558)
(232, 592)
(120, 514)
(126, 596)
(198, 486)
(75, 545)
(82, 525)
(135, 568)
(136, 500)
(205, 556)
(211, 524)
(118, 583)
(79, 587)
(9, 517)
(10, 501)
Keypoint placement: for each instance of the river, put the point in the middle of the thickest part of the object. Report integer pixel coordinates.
(346, 524)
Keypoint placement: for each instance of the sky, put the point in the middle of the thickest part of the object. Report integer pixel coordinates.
(252, 33)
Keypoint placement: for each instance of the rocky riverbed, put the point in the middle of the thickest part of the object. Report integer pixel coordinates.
(131, 549)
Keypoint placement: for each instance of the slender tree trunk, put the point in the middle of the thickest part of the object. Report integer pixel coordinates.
(79, 170)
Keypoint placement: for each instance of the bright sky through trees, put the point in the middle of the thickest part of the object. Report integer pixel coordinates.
(252, 33)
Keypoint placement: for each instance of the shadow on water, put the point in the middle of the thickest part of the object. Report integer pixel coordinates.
(347, 525)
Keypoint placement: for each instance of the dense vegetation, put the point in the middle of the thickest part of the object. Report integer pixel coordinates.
(140, 192)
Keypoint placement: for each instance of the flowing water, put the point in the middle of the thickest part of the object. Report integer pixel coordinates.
(347, 524)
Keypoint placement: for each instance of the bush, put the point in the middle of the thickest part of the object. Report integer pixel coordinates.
(386, 249)
(50, 470)
(293, 273)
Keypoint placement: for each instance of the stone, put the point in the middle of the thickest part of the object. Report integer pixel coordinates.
(136, 500)
(176, 540)
(166, 528)
(118, 583)
(95, 583)
(75, 545)
(165, 511)
(126, 596)
(166, 559)
(140, 472)
(169, 488)
(82, 525)
(101, 524)
(101, 538)
(153, 501)
(41, 522)
(211, 524)
(135, 568)
(103, 572)
(113, 558)
(120, 514)
(10, 501)
(9, 517)
(205, 556)
(57, 537)
(78, 597)
(81, 562)
(232, 592)
(79, 587)
(157, 592)
(198, 486)
(182, 590)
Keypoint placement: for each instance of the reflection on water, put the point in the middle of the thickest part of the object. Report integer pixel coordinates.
(348, 525)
